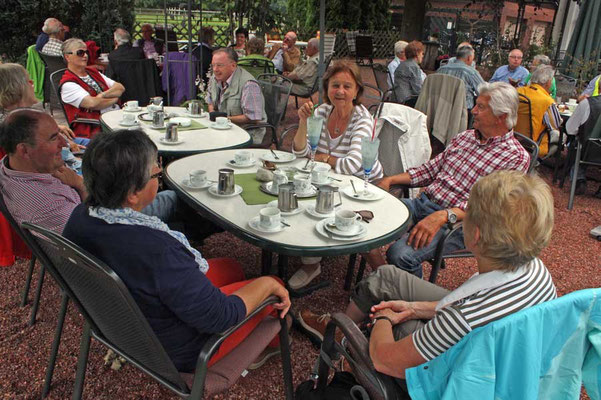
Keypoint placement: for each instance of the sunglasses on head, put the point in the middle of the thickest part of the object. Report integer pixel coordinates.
(80, 53)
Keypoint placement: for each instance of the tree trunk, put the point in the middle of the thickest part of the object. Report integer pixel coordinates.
(413, 20)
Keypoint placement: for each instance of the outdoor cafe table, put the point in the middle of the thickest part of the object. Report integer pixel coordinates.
(193, 141)
(390, 220)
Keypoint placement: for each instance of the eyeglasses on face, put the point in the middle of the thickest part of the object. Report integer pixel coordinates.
(158, 175)
(80, 53)
(220, 65)
(516, 57)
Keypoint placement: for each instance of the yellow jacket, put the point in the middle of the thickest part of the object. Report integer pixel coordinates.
(540, 101)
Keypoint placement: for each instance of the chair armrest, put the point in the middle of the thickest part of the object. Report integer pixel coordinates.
(88, 121)
(286, 131)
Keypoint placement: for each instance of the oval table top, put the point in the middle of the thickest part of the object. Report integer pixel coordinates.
(391, 216)
(193, 141)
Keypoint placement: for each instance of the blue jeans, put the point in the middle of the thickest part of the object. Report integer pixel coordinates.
(82, 141)
(163, 206)
(406, 257)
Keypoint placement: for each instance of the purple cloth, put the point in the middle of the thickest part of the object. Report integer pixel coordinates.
(178, 77)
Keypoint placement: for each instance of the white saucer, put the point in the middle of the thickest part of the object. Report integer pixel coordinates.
(310, 166)
(132, 109)
(298, 210)
(328, 181)
(373, 193)
(215, 125)
(313, 213)
(165, 142)
(237, 191)
(186, 184)
(187, 114)
(252, 163)
(121, 123)
(357, 230)
(254, 223)
(181, 121)
(322, 231)
(283, 157)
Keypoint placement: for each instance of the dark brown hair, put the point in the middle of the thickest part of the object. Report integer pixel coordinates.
(343, 66)
(413, 49)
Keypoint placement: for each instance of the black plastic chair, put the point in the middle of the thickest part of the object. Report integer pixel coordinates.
(51, 64)
(257, 67)
(327, 60)
(113, 318)
(55, 79)
(24, 295)
(276, 91)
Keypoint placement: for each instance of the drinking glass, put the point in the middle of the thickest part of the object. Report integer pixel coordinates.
(369, 153)
(314, 127)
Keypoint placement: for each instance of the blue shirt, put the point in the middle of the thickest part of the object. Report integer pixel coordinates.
(180, 303)
(468, 75)
(503, 73)
(391, 68)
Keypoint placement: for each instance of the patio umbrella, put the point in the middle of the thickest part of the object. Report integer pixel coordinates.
(585, 44)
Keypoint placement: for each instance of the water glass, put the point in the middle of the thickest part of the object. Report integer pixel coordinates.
(314, 128)
(369, 153)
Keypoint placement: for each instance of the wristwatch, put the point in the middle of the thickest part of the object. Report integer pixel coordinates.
(451, 216)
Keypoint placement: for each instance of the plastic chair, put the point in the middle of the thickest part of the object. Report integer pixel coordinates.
(276, 91)
(55, 78)
(583, 153)
(51, 64)
(257, 67)
(113, 318)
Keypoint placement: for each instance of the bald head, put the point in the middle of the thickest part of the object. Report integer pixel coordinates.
(312, 47)
(290, 39)
(515, 58)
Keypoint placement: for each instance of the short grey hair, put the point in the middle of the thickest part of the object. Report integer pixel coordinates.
(542, 74)
(51, 26)
(399, 47)
(121, 36)
(504, 99)
(542, 59)
(313, 43)
(464, 52)
(117, 164)
(70, 44)
(13, 84)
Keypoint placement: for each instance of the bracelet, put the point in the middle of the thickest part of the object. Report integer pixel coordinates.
(376, 319)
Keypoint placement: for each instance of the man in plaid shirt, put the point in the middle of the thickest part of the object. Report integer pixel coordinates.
(55, 30)
(449, 177)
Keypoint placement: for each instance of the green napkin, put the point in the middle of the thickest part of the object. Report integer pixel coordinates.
(193, 125)
(251, 193)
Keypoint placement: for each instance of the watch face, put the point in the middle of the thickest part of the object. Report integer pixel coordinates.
(452, 217)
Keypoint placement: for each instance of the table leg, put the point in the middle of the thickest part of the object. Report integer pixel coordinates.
(266, 256)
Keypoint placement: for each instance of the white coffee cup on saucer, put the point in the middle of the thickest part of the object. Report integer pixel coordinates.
(128, 119)
(302, 183)
(222, 121)
(320, 173)
(279, 178)
(572, 102)
(198, 178)
(242, 157)
(270, 217)
(346, 220)
(131, 105)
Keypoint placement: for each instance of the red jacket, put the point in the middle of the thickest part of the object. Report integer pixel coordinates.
(80, 129)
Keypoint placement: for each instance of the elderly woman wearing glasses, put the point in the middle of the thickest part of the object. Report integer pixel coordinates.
(86, 92)
(184, 296)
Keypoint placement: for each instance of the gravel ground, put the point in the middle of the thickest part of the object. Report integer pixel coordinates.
(572, 258)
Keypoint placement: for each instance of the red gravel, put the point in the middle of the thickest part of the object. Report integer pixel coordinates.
(572, 258)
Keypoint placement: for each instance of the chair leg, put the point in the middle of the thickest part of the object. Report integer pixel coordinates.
(283, 267)
(350, 271)
(36, 299)
(28, 282)
(574, 175)
(266, 256)
(296, 101)
(82, 361)
(361, 271)
(55, 344)
(286, 363)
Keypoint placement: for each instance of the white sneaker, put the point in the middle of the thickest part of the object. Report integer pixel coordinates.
(302, 278)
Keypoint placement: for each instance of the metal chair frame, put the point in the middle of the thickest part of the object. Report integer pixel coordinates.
(267, 65)
(381, 75)
(55, 79)
(327, 60)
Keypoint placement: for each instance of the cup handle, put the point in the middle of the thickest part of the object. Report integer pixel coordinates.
(357, 217)
(340, 202)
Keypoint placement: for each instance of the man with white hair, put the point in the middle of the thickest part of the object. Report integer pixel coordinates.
(54, 29)
(454, 59)
(399, 55)
(305, 74)
(543, 113)
(541, 59)
(123, 48)
(513, 73)
(462, 69)
(286, 56)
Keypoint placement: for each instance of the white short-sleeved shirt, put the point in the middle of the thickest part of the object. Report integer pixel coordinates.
(73, 94)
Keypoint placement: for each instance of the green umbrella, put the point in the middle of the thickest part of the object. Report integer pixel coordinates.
(582, 55)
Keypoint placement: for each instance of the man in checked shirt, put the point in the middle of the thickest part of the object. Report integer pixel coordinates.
(449, 177)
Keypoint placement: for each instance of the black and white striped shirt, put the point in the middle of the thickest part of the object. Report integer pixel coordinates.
(452, 323)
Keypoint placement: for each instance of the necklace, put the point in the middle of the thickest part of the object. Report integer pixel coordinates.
(344, 124)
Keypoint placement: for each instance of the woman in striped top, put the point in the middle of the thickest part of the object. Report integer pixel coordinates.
(347, 122)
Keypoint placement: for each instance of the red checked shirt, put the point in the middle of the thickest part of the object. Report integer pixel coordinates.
(450, 176)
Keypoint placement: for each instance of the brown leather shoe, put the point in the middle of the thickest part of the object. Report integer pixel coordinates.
(316, 324)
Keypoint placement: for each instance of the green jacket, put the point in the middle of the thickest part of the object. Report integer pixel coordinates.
(35, 68)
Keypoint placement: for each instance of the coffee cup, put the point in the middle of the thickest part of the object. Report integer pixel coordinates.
(128, 118)
(214, 114)
(242, 157)
(222, 121)
(345, 220)
(572, 102)
(279, 178)
(198, 178)
(302, 183)
(320, 173)
(270, 217)
(131, 105)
